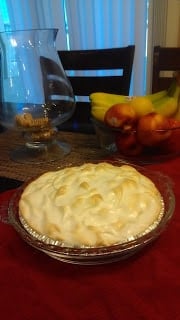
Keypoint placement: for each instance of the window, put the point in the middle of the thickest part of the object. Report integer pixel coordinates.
(4, 16)
(88, 24)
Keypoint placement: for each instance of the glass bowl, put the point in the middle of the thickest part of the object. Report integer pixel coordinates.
(125, 145)
(103, 254)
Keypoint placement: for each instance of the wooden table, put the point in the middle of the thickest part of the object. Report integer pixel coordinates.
(84, 148)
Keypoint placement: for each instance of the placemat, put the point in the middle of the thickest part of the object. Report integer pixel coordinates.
(84, 147)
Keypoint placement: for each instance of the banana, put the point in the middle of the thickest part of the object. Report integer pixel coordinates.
(102, 101)
(100, 105)
(98, 110)
(177, 114)
(167, 106)
(154, 97)
(172, 91)
(177, 94)
(98, 113)
(107, 98)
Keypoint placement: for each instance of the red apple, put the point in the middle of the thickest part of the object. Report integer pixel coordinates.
(120, 115)
(152, 129)
(128, 144)
(173, 123)
(172, 144)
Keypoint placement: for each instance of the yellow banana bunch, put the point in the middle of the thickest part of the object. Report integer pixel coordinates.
(165, 102)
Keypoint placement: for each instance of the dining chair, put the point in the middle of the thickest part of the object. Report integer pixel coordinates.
(166, 60)
(86, 72)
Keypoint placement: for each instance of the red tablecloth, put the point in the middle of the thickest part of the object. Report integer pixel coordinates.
(145, 287)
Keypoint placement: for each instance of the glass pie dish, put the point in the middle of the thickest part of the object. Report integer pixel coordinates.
(102, 254)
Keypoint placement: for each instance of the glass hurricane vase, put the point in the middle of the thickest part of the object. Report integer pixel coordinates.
(36, 95)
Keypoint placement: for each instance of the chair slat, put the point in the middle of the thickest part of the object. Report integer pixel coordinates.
(84, 86)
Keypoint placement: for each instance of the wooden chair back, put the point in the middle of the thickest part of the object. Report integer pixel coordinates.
(80, 66)
(166, 60)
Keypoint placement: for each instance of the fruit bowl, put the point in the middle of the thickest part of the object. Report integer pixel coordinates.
(142, 129)
(159, 145)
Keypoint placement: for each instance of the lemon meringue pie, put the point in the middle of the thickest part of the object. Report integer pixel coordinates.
(91, 205)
